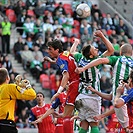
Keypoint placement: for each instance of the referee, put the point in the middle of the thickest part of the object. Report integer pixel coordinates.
(9, 93)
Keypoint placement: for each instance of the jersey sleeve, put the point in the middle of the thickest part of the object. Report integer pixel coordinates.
(112, 60)
(32, 117)
(128, 96)
(77, 56)
(17, 92)
(63, 64)
(56, 103)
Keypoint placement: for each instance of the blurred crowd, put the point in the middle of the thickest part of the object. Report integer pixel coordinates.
(39, 21)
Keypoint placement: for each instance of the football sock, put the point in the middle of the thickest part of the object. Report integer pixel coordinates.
(82, 130)
(67, 125)
(94, 129)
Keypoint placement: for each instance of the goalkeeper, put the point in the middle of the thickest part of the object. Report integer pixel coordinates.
(9, 93)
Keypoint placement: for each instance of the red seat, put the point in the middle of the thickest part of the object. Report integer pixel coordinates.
(30, 13)
(131, 41)
(67, 5)
(68, 8)
(45, 81)
(11, 15)
(75, 31)
(76, 24)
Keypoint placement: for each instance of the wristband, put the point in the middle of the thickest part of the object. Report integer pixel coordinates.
(60, 89)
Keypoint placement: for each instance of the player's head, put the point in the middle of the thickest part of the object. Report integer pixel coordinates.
(54, 48)
(40, 97)
(126, 49)
(131, 79)
(89, 51)
(4, 76)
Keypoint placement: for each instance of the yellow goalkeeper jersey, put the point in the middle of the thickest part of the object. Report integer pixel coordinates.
(9, 93)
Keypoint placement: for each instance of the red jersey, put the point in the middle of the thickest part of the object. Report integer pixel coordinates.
(47, 125)
(62, 98)
(66, 62)
(114, 126)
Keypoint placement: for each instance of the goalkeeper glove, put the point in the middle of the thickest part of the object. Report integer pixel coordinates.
(25, 84)
(18, 80)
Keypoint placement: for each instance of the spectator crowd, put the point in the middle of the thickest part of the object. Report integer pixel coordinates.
(38, 22)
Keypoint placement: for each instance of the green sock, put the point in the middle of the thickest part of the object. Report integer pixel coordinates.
(94, 129)
(82, 130)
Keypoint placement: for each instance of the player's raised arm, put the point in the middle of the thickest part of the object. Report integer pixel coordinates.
(108, 44)
(74, 46)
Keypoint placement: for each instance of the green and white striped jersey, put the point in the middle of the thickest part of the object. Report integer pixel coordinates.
(122, 65)
(89, 77)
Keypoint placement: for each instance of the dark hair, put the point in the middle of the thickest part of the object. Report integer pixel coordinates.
(3, 75)
(56, 44)
(86, 51)
(131, 75)
(40, 93)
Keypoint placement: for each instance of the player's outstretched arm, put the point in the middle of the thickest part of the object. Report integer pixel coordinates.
(108, 44)
(48, 112)
(105, 114)
(46, 58)
(103, 95)
(93, 63)
(63, 84)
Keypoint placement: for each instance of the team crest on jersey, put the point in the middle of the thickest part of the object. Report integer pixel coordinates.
(66, 53)
(127, 61)
(61, 66)
(46, 108)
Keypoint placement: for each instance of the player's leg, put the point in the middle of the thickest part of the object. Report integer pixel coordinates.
(67, 123)
(69, 107)
(93, 108)
(84, 126)
(94, 127)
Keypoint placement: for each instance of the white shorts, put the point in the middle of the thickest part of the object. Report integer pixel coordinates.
(122, 116)
(91, 107)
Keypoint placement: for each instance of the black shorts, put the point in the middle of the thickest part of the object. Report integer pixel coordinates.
(8, 126)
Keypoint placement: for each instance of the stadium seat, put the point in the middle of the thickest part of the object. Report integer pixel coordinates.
(45, 81)
(11, 15)
(30, 13)
(75, 32)
(68, 8)
(76, 24)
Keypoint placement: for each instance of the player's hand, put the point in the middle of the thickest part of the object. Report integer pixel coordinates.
(90, 88)
(76, 41)
(120, 89)
(97, 117)
(74, 117)
(39, 120)
(98, 33)
(57, 115)
(18, 80)
(25, 84)
(79, 70)
(55, 96)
